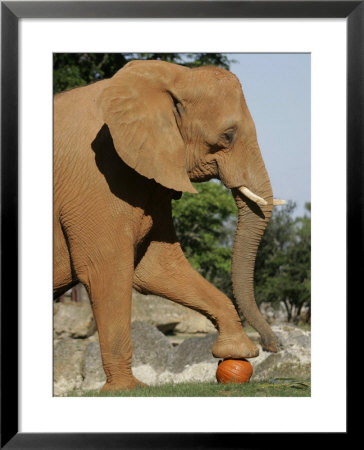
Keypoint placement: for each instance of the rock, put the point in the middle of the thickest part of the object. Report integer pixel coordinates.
(146, 374)
(195, 322)
(156, 311)
(67, 366)
(293, 359)
(281, 365)
(92, 369)
(150, 346)
(168, 316)
(73, 319)
(289, 336)
(192, 351)
(191, 361)
(204, 372)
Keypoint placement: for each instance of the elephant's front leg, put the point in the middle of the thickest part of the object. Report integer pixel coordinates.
(163, 270)
(110, 290)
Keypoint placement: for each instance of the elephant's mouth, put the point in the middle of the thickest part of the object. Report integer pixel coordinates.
(256, 199)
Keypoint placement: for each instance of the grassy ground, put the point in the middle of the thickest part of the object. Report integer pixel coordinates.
(273, 388)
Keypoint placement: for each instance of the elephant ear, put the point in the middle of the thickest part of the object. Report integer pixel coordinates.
(137, 107)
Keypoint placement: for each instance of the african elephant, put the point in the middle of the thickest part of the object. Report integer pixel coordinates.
(124, 147)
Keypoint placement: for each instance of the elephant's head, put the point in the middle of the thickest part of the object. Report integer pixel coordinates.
(177, 125)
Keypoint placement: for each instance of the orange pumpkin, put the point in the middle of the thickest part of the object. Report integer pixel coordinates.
(234, 371)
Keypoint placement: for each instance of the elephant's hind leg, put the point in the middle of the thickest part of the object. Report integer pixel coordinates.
(165, 271)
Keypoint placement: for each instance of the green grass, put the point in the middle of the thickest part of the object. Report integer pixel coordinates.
(277, 388)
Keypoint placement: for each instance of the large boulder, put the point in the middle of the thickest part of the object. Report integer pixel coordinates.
(168, 316)
(92, 370)
(73, 319)
(292, 337)
(192, 351)
(67, 365)
(194, 322)
(293, 359)
(191, 361)
(203, 372)
(150, 346)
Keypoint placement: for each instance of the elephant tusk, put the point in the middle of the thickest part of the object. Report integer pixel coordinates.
(253, 197)
(277, 202)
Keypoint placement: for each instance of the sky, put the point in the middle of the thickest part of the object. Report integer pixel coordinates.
(277, 89)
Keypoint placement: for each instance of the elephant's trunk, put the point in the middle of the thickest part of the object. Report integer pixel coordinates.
(254, 215)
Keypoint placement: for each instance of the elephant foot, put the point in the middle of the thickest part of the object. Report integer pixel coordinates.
(122, 385)
(234, 348)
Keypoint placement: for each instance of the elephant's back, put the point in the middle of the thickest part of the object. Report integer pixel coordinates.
(76, 118)
(76, 124)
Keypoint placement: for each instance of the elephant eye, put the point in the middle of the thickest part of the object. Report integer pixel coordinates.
(224, 141)
(229, 136)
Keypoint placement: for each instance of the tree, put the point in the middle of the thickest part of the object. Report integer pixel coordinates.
(72, 70)
(282, 271)
(205, 225)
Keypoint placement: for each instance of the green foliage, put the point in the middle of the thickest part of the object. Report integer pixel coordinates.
(283, 271)
(206, 59)
(205, 224)
(71, 70)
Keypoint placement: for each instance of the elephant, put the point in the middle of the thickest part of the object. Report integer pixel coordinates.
(124, 147)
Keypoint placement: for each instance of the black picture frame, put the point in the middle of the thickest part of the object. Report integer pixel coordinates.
(11, 12)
